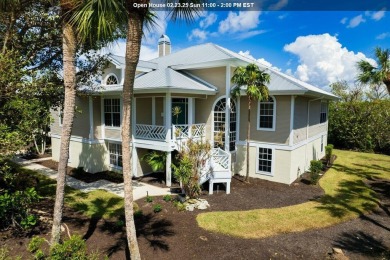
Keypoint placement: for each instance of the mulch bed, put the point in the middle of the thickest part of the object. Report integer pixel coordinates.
(170, 234)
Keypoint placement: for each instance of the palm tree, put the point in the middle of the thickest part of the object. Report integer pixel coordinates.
(372, 75)
(255, 82)
(71, 37)
(135, 24)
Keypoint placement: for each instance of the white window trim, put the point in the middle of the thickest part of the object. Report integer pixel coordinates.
(273, 117)
(108, 75)
(113, 166)
(326, 112)
(271, 174)
(120, 116)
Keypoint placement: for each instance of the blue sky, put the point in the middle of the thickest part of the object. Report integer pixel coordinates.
(318, 47)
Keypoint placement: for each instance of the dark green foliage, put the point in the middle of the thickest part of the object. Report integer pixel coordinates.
(360, 125)
(167, 197)
(179, 205)
(138, 213)
(149, 199)
(156, 160)
(14, 208)
(328, 152)
(73, 248)
(315, 170)
(157, 208)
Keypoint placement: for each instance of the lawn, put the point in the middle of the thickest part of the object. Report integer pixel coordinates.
(346, 197)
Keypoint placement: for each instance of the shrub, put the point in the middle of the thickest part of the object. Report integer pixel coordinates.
(315, 169)
(157, 208)
(167, 197)
(138, 213)
(328, 153)
(149, 199)
(14, 208)
(179, 206)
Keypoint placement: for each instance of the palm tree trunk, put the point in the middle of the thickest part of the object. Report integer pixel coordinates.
(69, 53)
(133, 45)
(8, 32)
(248, 134)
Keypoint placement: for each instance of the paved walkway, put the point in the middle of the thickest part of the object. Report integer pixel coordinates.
(140, 189)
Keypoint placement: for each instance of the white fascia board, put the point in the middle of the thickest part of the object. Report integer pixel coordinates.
(175, 91)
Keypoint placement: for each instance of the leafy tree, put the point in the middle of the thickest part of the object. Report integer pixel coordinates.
(372, 75)
(255, 81)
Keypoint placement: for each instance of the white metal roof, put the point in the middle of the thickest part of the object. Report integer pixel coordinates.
(212, 55)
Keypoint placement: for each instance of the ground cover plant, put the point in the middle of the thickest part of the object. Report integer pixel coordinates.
(346, 197)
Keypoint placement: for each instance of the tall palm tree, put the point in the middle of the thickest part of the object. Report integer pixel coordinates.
(255, 81)
(71, 37)
(135, 24)
(372, 75)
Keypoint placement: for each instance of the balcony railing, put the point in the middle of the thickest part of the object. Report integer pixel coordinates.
(160, 133)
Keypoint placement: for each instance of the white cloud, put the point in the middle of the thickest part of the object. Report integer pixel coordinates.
(383, 36)
(356, 21)
(344, 20)
(323, 60)
(210, 19)
(378, 15)
(279, 5)
(239, 22)
(159, 27)
(249, 34)
(119, 48)
(248, 55)
(201, 35)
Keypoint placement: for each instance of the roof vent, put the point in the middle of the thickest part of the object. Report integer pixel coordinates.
(164, 45)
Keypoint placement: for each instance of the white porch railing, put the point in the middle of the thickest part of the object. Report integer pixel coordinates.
(188, 131)
(222, 158)
(150, 132)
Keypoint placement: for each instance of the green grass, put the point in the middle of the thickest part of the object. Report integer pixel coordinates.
(97, 204)
(346, 197)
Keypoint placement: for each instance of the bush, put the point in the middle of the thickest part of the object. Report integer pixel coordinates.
(328, 153)
(73, 248)
(149, 199)
(315, 169)
(14, 208)
(167, 197)
(179, 206)
(157, 208)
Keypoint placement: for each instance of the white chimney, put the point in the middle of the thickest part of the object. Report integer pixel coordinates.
(164, 45)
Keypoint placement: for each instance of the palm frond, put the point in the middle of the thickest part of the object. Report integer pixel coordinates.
(185, 10)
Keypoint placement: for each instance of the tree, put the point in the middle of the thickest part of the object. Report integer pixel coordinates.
(372, 75)
(136, 18)
(255, 81)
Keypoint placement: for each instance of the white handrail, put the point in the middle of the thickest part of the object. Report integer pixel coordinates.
(150, 132)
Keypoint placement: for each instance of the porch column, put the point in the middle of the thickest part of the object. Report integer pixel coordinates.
(227, 111)
(191, 119)
(90, 108)
(168, 170)
(134, 160)
(153, 111)
(168, 116)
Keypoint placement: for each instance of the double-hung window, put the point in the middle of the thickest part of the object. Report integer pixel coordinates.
(112, 112)
(265, 158)
(324, 112)
(115, 151)
(266, 115)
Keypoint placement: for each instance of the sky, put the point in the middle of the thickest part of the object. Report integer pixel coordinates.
(318, 47)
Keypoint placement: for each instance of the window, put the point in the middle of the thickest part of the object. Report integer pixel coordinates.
(112, 112)
(266, 120)
(265, 161)
(324, 111)
(322, 143)
(115, 151)
(112, 80)
(219, 125)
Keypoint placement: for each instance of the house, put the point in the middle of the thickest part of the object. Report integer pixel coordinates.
(287, 131)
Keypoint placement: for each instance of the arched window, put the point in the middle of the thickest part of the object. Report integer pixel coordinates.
(112, 80)
(219, 124)
(267, 115)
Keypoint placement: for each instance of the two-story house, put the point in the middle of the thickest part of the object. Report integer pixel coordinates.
(287, 131)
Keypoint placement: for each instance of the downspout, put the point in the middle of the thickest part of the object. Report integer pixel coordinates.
(307, 129)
